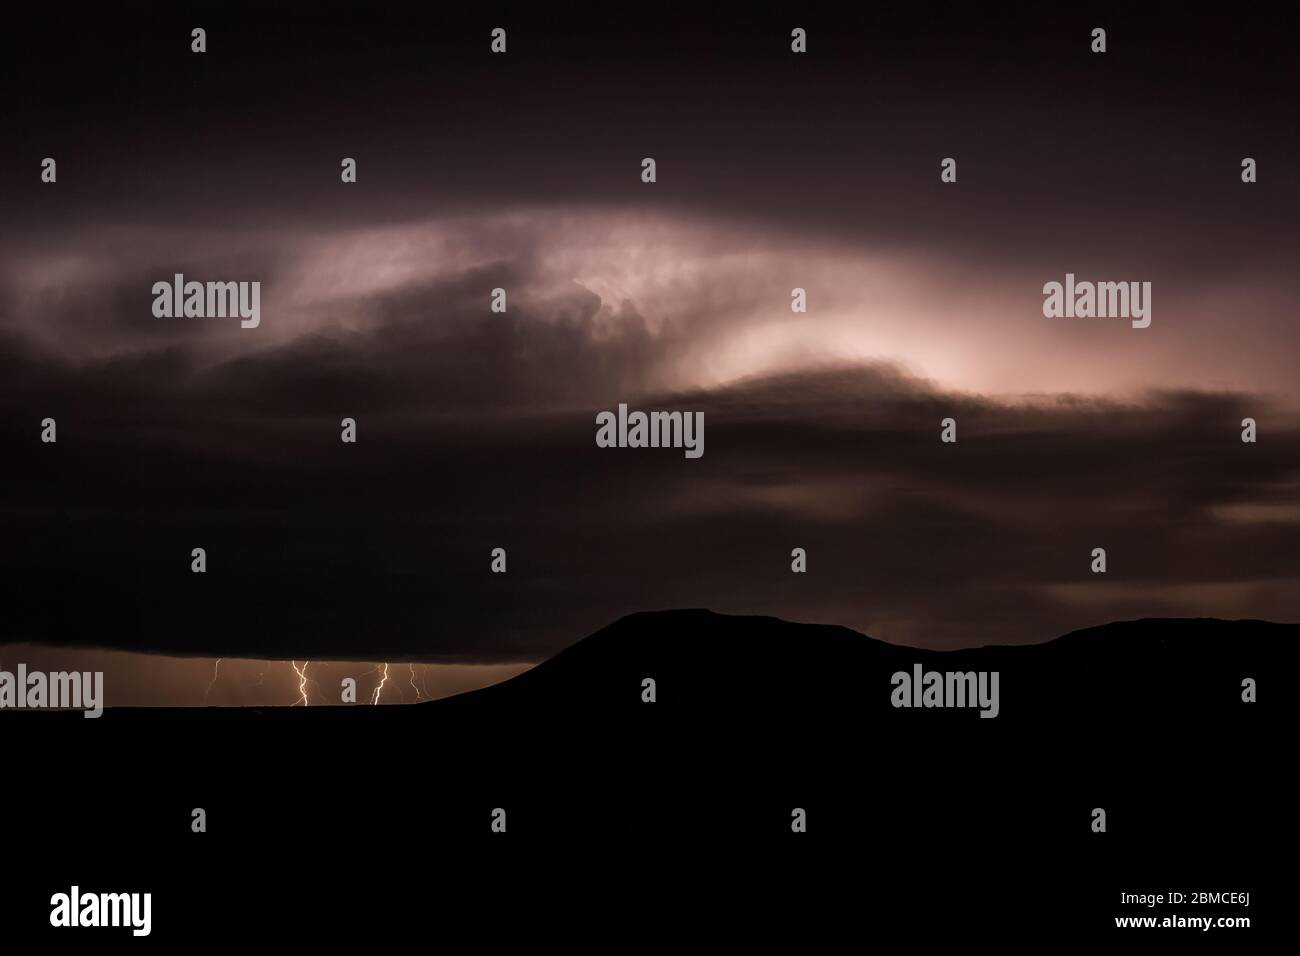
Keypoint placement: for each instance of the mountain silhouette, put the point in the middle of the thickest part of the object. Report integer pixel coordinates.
(706, 664)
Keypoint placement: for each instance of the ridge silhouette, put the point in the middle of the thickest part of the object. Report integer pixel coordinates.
(714, 663)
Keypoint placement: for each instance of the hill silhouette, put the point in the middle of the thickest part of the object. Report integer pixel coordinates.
(707, 664)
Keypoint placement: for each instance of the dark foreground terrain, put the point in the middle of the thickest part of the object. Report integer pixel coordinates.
(670, 822)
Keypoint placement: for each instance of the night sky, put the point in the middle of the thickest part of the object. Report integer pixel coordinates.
(522, 171)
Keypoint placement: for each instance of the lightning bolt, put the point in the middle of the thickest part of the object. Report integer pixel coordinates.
(380, 689)
(302, 683)
(418, 696)
(216, 671)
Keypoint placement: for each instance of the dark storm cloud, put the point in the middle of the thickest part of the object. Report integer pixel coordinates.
(318, 549)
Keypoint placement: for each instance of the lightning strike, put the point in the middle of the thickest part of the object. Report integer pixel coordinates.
(418, 696)
(216, 671)
(380, 689)
(302, 683)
